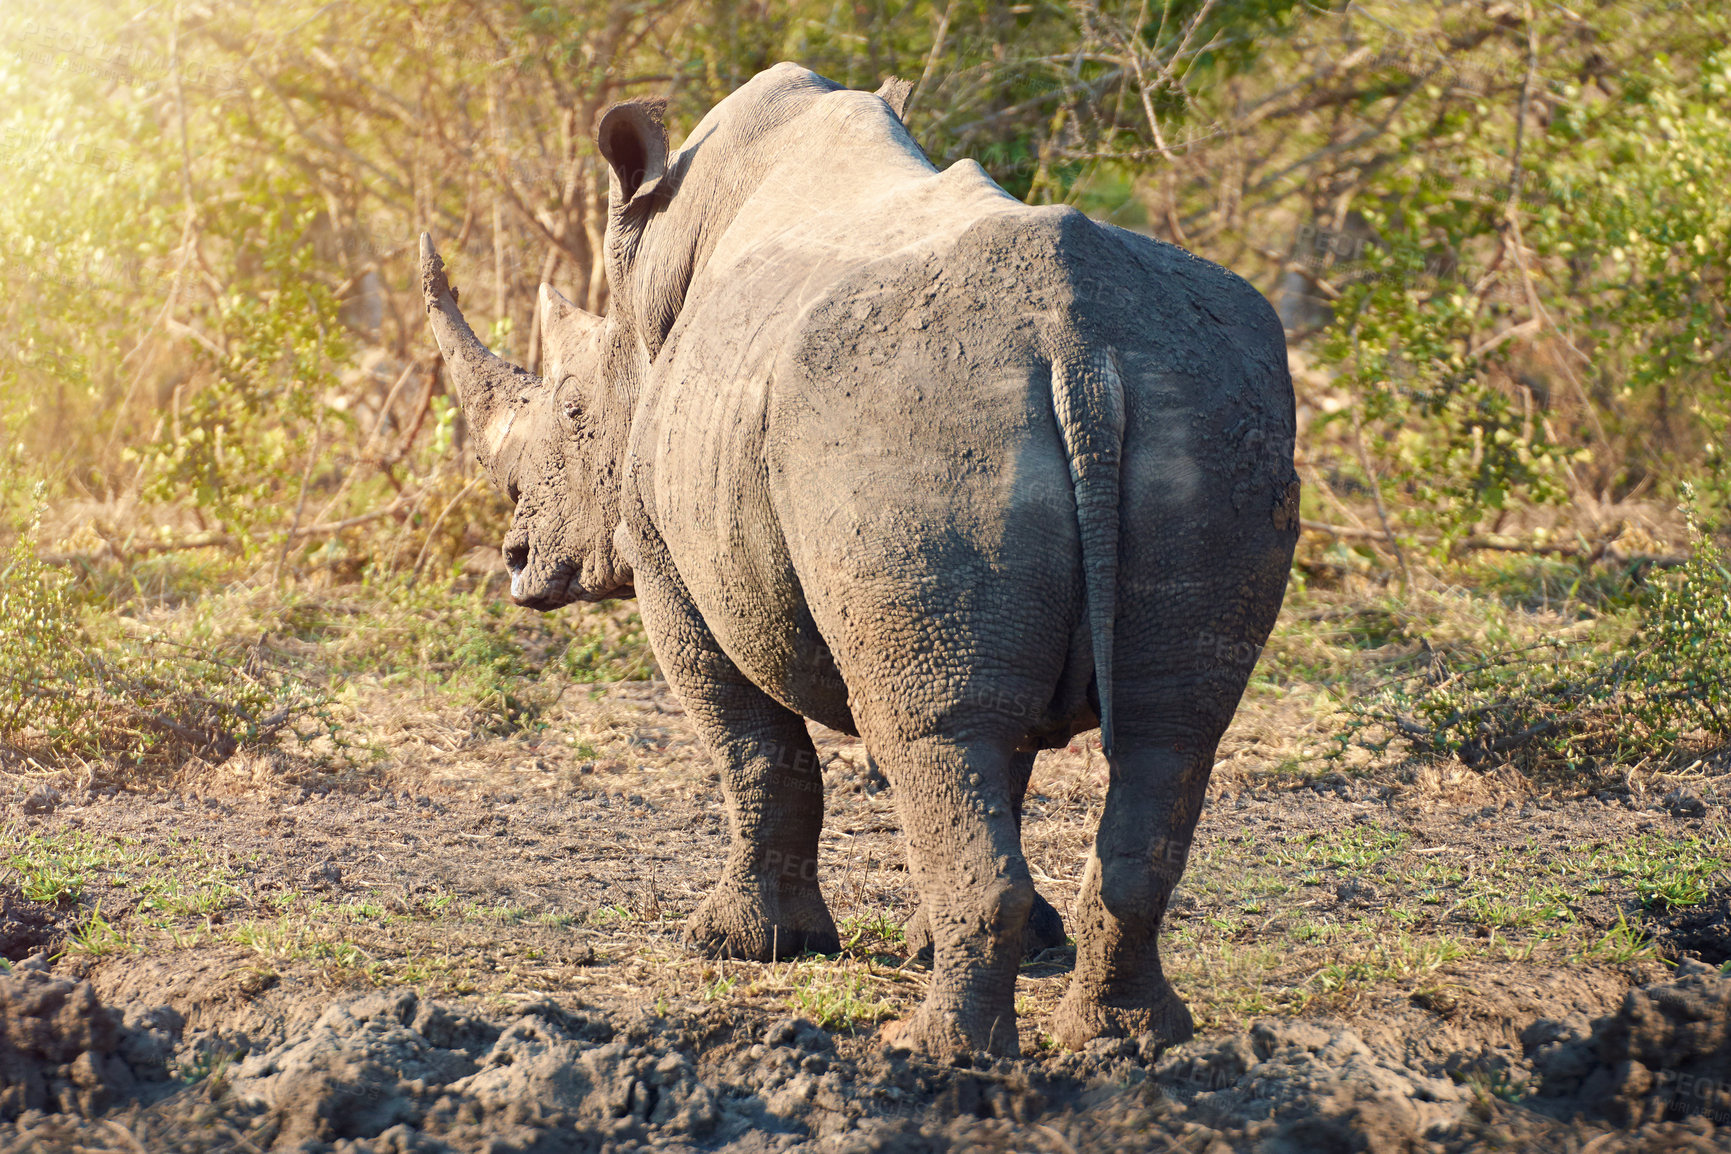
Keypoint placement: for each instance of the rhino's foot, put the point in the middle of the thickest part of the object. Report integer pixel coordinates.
(1045, 930)
(762, 924)
(1081, 1017)
(939, 1036)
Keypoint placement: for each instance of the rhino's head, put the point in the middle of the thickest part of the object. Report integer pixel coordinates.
(555, 445)
(549, 444)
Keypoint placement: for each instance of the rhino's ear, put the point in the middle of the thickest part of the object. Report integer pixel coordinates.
(633, 138)
(895, 92)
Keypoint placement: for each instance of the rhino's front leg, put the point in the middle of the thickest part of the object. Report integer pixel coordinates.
(767, 904)
(1045, 925)
(1118, 988)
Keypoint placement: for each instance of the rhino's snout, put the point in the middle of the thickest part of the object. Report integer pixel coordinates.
(543, 596)
(539, 587)
(516, 561)
(520, 589)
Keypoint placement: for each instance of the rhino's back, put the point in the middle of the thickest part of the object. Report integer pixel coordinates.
(910, 440)
(849, 386)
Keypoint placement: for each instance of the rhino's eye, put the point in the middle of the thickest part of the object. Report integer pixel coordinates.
(570, 401)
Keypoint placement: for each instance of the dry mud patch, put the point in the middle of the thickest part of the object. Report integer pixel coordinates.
(474, 945)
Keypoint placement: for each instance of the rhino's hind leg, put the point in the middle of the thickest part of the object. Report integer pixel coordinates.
(767, 904)
(1118, 988)
(967, 858)
(1045, 924)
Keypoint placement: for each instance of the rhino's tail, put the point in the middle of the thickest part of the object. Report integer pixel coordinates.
(1088, 401)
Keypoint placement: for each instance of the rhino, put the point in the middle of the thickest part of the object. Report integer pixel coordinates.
(878, 445)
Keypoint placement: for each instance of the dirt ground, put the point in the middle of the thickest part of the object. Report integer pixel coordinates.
(471, 943)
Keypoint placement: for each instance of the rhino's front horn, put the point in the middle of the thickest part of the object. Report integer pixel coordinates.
(492, 392)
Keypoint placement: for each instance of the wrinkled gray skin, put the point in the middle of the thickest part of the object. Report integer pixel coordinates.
(880, 446)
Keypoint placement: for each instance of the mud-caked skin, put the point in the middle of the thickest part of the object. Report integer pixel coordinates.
(882, 447)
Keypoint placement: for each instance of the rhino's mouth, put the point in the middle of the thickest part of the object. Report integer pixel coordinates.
(554, 591)
(562, 587)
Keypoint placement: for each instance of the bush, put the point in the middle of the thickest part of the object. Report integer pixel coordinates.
(68, 693)
(1660, 691)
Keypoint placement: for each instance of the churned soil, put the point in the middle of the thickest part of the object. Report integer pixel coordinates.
(471, 943)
